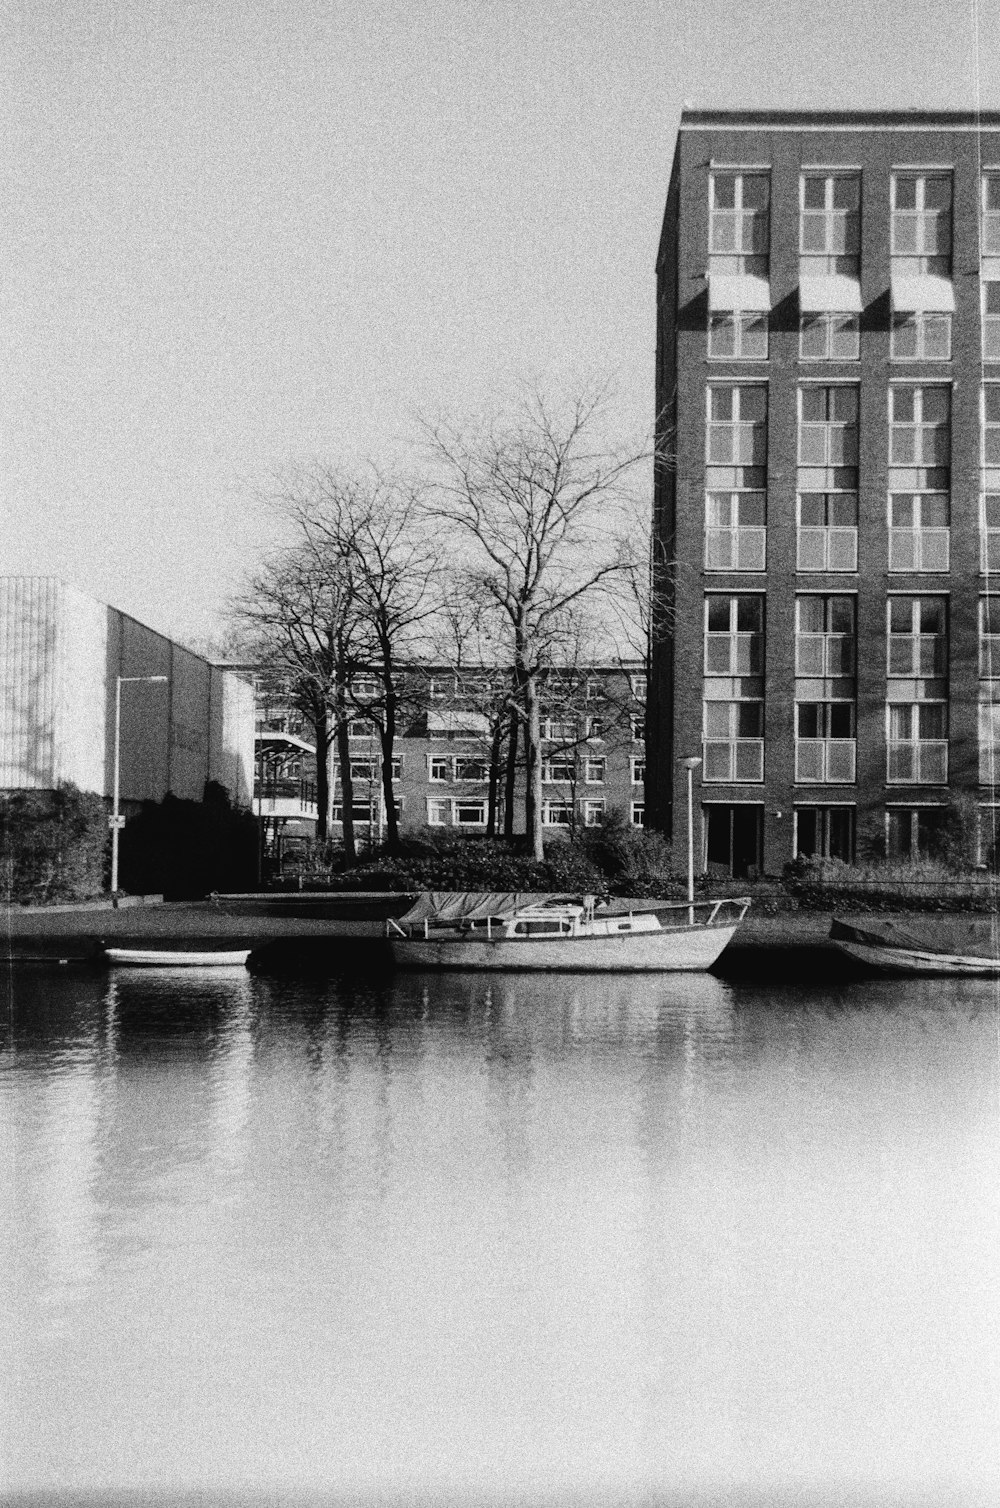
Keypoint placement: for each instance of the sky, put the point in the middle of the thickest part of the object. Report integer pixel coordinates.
(241, 234)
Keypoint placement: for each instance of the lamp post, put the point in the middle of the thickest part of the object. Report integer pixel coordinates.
(116, 819)
(690, 765)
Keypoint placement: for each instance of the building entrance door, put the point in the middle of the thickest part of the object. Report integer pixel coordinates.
(733, 840)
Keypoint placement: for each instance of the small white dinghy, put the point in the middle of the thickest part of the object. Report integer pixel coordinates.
(165, 958)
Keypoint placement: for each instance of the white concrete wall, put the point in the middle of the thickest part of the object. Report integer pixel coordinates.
(60, 654)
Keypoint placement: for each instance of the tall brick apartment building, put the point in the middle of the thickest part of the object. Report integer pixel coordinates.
(828, 376)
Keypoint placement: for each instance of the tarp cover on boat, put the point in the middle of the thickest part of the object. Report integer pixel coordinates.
(476, 905)
(963, 937)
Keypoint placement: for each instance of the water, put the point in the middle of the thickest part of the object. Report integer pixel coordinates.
(523, 1240)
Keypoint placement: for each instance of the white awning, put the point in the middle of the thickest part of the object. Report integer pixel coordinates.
(738, 291)
(457, 723)
(829, 293)
(923, 293)
(286, 743)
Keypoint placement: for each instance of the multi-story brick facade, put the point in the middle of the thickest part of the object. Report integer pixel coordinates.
(828, 378)
(593, 753)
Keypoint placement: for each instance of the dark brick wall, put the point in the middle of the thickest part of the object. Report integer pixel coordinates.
(683, 371)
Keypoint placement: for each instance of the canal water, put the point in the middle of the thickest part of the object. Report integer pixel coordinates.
(463, 1240)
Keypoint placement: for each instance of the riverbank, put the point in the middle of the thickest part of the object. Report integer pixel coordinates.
(332, 929)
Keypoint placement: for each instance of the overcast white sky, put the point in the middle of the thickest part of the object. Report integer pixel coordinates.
(239, 232)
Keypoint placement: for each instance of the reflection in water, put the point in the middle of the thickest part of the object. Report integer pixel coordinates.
(503, 1237)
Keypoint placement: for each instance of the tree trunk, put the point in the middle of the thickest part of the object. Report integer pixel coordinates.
(387, 733)
(510, 779)
(346, 789)
(533, 769)
(496, 748)
(321, 729)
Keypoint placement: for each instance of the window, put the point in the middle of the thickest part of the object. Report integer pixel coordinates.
(917, 692)
(921, 336)
(734, 740)
(828, 427)
(829, 222)
(917, 641)
(991, 214)
(738, 335)
(593, 771)
(736, 478)
(825, 832)
(824, 637)
(637, 727)
(914, 832)
(920, 238)
(734, 635)
(396, 771)
(469, 813)
(594, 689)
(364, 687)
(471, 769)
(595, 727)
(558, 730)
(557, 814)
(989, 638)
(638, 770)
(919, 478)
(440, 768)
(556, 771)
(919, 531)
(989, 690)
(361, 811)
(829, 337)
(825, 690)
(593, 813)
(438, 812)
(638, 814)
(473, 686)
(440, 687)
(360, 727)
(827, 531)
(739, 222)
(734, 839)
(991, 321)
(737, 430)
(735, 532)
(989, 545)
(638, 684)
(364, 770)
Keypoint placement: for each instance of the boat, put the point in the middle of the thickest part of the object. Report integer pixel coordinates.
(515, 930)
(165, 958)
(938, 947)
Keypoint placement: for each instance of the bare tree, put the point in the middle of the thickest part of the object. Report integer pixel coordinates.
(538, 495)
(372, 530)
(295, 618)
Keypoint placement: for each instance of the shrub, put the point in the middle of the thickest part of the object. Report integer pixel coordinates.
(53, 845)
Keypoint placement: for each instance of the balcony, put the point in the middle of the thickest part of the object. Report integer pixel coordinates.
(286, 798)
(733, 760)
(821, 549)
(743, 549)
(917, 761)
(825, 761)
(919, 549)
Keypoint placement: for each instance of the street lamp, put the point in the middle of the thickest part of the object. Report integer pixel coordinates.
(117, 821)
(690, 765)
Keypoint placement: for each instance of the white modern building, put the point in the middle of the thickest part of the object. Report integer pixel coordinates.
(61, 656)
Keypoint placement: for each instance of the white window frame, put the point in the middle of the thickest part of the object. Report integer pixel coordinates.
(593, 812)
(749, 331)
(438, 811)
(468, 802)
(637, 763)
(638, 814)
(594, 771)
(825, 262)
(922, 321)
(554, 807)
(743, 256)
(436, 763)
(834, 323)
(935, 262)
